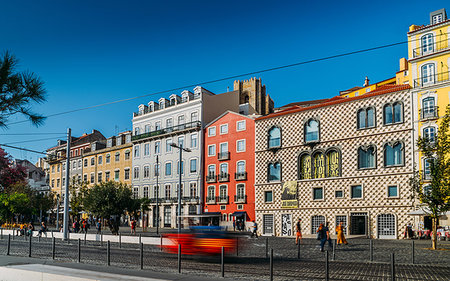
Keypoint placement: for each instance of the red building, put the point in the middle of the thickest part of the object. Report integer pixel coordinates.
(230, 170)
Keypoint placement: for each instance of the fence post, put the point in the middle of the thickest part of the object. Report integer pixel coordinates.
(8, 248)
(85, 238)
(298, 250)
(179, 258)
(1, 235)
(13, 234)
(52, 233)
(237, 246)
(392, 267)
(161, 243)
(267, 247)
(101, 238)
(140, 238)
(371, 249)
(271, 264)
(334, 248)
(39, 238)
(327, 275)
(412, 252)
(53, 247)
(29, 248)
(108, 253)
(120, 240)
(222, 265)
(79, 250)
(142, 256)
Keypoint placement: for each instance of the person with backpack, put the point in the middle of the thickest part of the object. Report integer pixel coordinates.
(323, 234)
(99, 226)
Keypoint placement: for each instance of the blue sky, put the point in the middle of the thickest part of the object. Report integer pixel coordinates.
(91, 52)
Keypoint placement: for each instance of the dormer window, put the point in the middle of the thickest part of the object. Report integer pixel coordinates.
(109, 143)
(436, 19)
(161, 104)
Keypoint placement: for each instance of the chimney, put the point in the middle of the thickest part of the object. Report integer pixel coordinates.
(366, 82)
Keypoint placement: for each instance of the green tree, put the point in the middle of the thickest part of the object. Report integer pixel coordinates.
(78, 192)
(18, 90)
(12, 204)
(435, 194)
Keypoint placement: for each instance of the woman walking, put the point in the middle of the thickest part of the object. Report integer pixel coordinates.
(340, 234)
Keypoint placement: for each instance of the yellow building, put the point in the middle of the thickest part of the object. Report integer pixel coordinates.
(109, 161)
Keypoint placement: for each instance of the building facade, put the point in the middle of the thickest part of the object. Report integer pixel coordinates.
(229, 169)
(346, 160)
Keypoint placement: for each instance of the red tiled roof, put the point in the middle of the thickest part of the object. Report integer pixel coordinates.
(384, 89)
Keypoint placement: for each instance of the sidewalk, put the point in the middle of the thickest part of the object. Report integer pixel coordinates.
(32, 269)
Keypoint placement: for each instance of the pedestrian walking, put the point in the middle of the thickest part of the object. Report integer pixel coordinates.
(340, 234)
(298, 236)
(98, 226)
(43, 230)
(76, 226)
(323, 234)
(133, 227)
(254, 229)
(30, 229)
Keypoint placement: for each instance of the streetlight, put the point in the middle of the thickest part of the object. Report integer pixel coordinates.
(180, 148)
(157, 196)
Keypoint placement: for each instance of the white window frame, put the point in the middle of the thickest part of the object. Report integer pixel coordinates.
(362, 191)
(215, 152)
(241, 122)
(323, 193)
(223, 126)
(195, 135)
(196, 165)
(237, 145)
(387, 191)
(212, 131)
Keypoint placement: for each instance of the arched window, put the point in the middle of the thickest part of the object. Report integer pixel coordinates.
(305, 167)
(274, 137)
(393, 113)
(311, 131)
(274, 173)
(427, 43)
(333, 164)
(429, 133)
(366, 118)
(393, 154)
(427, 73)
(319, 165)
(241, 167)
(366, 157)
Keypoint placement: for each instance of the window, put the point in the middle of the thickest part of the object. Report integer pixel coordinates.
(169, 123)
(318, 193)
(428, 72)
(53, 183)
(135, 192)
(157, 147)
(178, 167)
(437, 18)
(338, 194)
(223, 129)
(223, 191)
(74, 165)
(157, 169)
(168, 169)
(127, 154)
(268, 198)
(92, 178)
(240, 167)
(392, 191)
(392, 113)
(181, 120)
(136, 151)
(274, 172)
(311, 130)
(356, 192)
(193, 140)
(366, 118)
(224, 168)
(224, 147)
(116, 175)
(146, 171)
(211, 131)
(427, 43)
(136, 131)
(333, 163)
(136, 172)
(147, 128)
(85, 164)
(240, 126)
(117, 157)
(145, 191)
(211, 193)
(211, 170)
(107, 175)
(193, 190)
(100, 160)
(99, 177)
(429, 133)
(240, 147)
(181, 141)
(315, 223)
(393, 154)
(156, 192)
(147, 149)
(212, 150)
(194, 116)
(193, 166)
(428, 108)
(127, 174)
(319, 165)
(157, 125)
(79, 164)
(427, 189)
(366, 157)
(108, 158)
(274, 137)
(305, 167)
(427, 162)
(168, 145)
(167, 189)
(84, 179)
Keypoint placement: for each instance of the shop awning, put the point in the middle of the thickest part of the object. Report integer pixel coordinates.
(239, 214)
(425, 212)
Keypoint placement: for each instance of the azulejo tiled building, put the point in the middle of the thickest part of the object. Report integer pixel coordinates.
(346, 159)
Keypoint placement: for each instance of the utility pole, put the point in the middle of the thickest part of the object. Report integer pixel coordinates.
(57, 212)
(66, 189)
(156, 213)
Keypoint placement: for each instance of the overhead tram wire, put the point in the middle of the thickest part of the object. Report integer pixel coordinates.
(222, 79)
(25, 141)
(26, 134)
(21, 148)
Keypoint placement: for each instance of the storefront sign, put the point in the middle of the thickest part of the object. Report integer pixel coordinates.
(286, 225)
(289, 197)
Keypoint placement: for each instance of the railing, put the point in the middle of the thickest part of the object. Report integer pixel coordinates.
(431, 48)
(240, 198)
(429, 113)
(432, 79)
(194, 199)
(169, 104)
(224, 177)
(211, 178)
(223, 199)
(210, 200)
(240, 176)
(223, 155)
(190, 125)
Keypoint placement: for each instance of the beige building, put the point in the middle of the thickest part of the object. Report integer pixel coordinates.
(346, 159)
(109, 161)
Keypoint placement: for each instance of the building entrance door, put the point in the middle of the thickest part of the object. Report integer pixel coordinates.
(358, 224)
(268, 224)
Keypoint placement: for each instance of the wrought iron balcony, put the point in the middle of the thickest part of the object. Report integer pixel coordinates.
(240, 176)
(429, 49)
(177, 128)
(223, 156)
(193, 199)
(223, 199)
(240, 199)
(432, 79)
(210, 200)
(223, 177)
(211, 178)
(429, 113)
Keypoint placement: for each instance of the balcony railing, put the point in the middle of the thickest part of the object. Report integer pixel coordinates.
(155, 133)
(223, 155)
(192, 199)
(432, 79)
(429, 113)
(240, 176)
(169, 104)
(210, 200)
(224, 177)
(211, 178)
(428, 49)
(240, 199)
(223, 199)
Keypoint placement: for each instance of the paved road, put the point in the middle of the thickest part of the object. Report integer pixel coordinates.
(352, 261)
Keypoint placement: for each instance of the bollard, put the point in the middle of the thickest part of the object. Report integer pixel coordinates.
(53, 247)
(412, 252)
(8, 248)
(1, 235)
(29, 248)
(120, 240)
(108, 253)
(13, 234)
(327, 275)
(179, 258)
(101, 239)
(140, 238)
(267, 247)
(222, 263)
(298, 250)
(271, 264)
(142, 256)
(237, 246)
(39, 238)
(52, 233)
(85, 238)
(371, 249)
(161, 243)
(334, 247)
(392, 267)
(79, 250)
